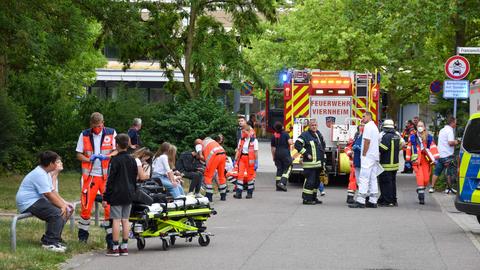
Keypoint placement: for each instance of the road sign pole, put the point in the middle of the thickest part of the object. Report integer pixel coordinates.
(455, 108)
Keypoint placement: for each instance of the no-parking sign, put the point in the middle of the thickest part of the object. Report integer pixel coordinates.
(457, 67)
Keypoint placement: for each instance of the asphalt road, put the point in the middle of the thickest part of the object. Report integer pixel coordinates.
(275, 231)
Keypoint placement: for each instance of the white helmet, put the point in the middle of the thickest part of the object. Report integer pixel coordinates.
(388, 123)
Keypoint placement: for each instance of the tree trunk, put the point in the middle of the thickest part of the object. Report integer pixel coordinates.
(3, 72)
(188, 51)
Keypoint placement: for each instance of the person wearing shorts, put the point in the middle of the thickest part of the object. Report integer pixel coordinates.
(119, 193)
(446, 149)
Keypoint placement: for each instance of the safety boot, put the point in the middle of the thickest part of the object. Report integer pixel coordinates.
(83, 235)
(249, 195)
(350, 199)
(209, 196)
(281, 186)
(223, 196)
(357, 205)
(370, 205)
(309, 202)
(421, 198)
(238, 194)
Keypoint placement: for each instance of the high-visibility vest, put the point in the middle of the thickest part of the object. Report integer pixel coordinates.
(106, 148)
(251, 150)
(416, 151)
(211, 148)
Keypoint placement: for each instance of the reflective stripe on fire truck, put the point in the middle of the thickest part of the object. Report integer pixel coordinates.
(301, 106)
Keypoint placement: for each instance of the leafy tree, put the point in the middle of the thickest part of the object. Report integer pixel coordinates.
(185, 35)
(408, 41)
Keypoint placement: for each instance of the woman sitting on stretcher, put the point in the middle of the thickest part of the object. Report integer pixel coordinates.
(162, 169)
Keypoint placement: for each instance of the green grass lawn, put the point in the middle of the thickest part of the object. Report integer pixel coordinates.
(30, 254)
(68, 185)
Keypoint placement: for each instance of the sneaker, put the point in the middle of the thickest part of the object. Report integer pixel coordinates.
(431, 190)
(54, 247)
(113, 252)
(123, 251)
(454, 191)
(322, 193)
(447, 191)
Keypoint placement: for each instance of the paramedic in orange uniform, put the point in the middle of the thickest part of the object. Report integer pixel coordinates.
(95, 146)
(247, 158)
(215, 157)
(422, 152)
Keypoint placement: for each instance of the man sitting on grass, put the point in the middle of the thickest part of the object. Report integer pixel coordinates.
(119, 193)
(37, 196)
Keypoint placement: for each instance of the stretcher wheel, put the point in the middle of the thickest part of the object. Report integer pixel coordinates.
(140, 243)
(204, 240)
(172, 240)
(165, 244)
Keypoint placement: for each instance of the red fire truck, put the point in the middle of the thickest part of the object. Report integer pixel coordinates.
(336, 99)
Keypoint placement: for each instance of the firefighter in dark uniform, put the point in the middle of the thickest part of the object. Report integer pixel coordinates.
(391, 143)
(312, 147)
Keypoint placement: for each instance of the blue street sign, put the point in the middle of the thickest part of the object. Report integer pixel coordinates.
(436, 86)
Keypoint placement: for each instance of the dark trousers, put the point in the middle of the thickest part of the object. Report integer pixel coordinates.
(284, 167)
(196, 181)
(387, 182)
(46, 211)
(312, 181)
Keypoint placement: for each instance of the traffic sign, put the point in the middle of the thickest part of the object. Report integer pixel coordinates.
(246, 89)
(468, 50)
(456, 89)
(436, 87)
(246, 99)
(457, 67)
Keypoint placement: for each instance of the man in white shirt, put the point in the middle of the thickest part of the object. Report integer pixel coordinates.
(367, 182)
(446, 149)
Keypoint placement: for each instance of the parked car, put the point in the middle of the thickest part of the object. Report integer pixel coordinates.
(468, 196)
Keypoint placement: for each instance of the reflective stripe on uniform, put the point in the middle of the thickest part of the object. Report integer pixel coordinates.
(314, 151)
(212, 152)
(307, 191)
(83, 224)
(383, 146)
(308, 164)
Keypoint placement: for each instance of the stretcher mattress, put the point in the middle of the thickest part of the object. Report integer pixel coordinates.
(177, 204)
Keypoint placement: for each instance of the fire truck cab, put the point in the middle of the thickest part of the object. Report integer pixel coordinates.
(337, 100)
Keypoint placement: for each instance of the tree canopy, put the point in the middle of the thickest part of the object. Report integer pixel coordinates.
(407, 41)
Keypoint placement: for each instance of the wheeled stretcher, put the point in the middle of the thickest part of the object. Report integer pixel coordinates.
(155, 216)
